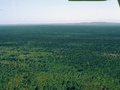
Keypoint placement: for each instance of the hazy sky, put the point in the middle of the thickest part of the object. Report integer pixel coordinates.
(57, 11)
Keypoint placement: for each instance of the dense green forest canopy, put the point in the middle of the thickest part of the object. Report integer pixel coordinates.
(60, 57)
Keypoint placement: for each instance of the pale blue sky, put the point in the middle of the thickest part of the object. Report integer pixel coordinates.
(57, 11)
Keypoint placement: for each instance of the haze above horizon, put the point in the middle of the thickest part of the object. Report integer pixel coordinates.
(58, 11)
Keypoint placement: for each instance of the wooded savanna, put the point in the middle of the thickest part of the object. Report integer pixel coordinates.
(60, 57)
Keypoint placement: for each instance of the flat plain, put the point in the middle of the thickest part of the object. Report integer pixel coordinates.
(60, 57)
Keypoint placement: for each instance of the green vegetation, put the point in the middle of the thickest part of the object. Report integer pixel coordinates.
(60, 57)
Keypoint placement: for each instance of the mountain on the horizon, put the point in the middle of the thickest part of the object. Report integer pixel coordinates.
(98, 23)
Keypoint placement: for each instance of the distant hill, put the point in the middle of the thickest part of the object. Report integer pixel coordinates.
(98, 23)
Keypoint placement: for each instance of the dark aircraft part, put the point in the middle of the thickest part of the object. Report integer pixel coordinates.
(119, 2)
(93, 0)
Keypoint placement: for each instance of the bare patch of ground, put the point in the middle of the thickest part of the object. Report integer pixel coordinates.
(115, 55)
(13, 63)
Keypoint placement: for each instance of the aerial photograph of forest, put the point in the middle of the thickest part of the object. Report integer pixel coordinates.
(59, 44)
(60, 57)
